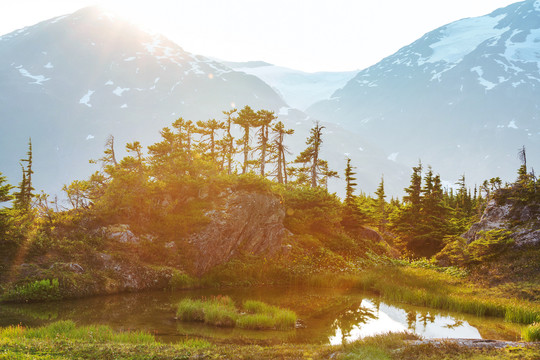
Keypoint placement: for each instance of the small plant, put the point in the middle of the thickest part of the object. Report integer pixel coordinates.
(531, 332)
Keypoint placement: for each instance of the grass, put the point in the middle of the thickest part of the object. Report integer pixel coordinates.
(221, 311)
(531, 332)
(67, 329)
(39, 290)
(64, 340)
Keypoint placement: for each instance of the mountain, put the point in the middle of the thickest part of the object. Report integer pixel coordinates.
(463, 98)
(299, 89)
(70, 81)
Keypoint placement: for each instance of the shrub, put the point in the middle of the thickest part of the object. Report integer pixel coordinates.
(490, 244)
(38, 290)
(180, 280)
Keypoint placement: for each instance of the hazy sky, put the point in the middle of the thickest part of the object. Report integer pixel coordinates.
(309, 35)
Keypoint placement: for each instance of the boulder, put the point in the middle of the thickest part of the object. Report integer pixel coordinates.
(246, 222)
(522, 220)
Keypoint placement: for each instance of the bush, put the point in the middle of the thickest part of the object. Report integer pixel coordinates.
(40, 290)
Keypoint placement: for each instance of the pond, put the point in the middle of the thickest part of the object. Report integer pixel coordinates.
(327, 316)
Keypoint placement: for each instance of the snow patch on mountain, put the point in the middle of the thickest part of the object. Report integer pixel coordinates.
(526, 51)
(38, 79)
(48, 65)
(119, 91)
(462, 37)
(85, 100)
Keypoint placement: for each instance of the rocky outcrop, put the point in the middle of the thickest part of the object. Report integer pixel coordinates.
(522, 220)
(246, 222)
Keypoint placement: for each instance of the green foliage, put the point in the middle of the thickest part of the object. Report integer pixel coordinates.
(181, 280)
(531, 332)
(311, 210)
(490, 244)
(42, 290)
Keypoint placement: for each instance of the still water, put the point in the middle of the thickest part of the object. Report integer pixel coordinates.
(327, 316)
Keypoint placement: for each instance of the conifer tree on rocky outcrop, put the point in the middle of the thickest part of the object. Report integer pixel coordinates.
(228, 141)
(247, 119)
(280, 150)
(208, 130)
(310, 158)
(264, 122)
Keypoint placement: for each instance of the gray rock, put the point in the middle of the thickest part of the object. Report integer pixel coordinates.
(247, 222)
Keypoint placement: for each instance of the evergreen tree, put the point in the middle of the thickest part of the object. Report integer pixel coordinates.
(4, 197)
(381, 206)
(23, 197)
(311, 156)
(247, 118)
(208, 129)
(265, 119)
(228, 141)
(280, 149)
(349, 181)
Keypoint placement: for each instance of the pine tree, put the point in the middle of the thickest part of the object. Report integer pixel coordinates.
(381, 206)
(209, 129)
(228, 141)
(247, 118)
(280, 149)
(265, 119)
(23, 198)
(311, 156)
(349, 181)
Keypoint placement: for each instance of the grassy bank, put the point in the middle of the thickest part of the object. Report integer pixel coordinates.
(64, 340)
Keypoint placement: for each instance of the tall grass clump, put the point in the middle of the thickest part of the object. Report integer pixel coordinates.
(531, 332)
(263, 314)
(221, 311)
(190, 310)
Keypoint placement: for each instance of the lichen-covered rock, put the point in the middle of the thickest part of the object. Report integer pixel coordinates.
(247, 222)
(522, 220)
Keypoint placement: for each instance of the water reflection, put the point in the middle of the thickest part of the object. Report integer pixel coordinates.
(379, 318)
(330, 316)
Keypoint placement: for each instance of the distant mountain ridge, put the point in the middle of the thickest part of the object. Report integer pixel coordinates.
(463, 98)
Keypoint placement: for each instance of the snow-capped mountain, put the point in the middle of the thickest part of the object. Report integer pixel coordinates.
(71, 81)
(463, 98)
(299, 89)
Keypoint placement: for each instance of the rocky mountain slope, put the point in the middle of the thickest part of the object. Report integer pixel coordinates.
(463, 98)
